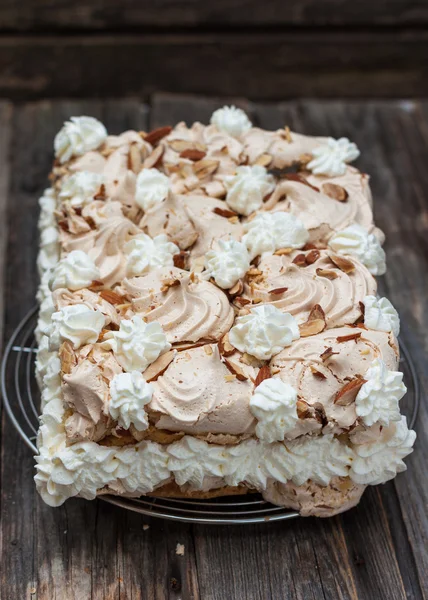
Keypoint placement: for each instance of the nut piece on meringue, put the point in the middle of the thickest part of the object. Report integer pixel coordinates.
(247, 188)
(268, 232)
(227, 264)
(264, 332)
(137, 343)
(130, 393)
(274, 405)
(152, 188)
(231, 120)
(76, 271)
(356, 241)
(379, 314)
(76, 323)
(331, 158)
(377, 401)
(77, 136)
(145, 253)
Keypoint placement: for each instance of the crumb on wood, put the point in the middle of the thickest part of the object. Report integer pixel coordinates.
(146, 527)
(180, 550)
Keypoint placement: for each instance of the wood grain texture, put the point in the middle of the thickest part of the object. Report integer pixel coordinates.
(93, 550)
(30, 15)
(260, 65)
(5, 117)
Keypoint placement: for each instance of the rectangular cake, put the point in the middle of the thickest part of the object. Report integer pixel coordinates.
(209, 323)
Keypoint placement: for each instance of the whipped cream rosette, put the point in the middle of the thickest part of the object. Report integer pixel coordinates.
(209, 322)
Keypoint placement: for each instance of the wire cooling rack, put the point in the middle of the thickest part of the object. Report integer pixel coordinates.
(21, 400)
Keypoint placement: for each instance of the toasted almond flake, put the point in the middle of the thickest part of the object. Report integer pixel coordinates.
(183, 145)
(337, 192)
(283, 251)
(192, 154)
(326, 273)
(157, 134)
(317, 373)
(316, 322)
(225, 347)
(264, 373)
(238, 288)
(304, 159)
(348, 393)
(101, 193)
(299, 179)
(205, 167)
(67, 357)
(254, 272)
(349, 338)
(242, 301)
(159, 366)
(365, 351)
(344, 264)
(208, 350)
(328, 353)
(111, 297)
(180, 259)
(224, 212)
(287, 134)
(278, 291)
(134, 158)
(300, 260)
(154, 158)
(235, 370)
(168, 283)
(263, 160)
(312, 256)
(229, 378)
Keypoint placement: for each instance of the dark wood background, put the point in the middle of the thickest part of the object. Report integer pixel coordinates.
(91, 550)
(264, 50)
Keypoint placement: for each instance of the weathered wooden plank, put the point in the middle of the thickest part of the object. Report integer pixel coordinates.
(5, 118)
(261, 66)
(107, 14)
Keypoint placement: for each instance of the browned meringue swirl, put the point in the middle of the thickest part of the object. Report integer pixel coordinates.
(296, 289)
(190, 311)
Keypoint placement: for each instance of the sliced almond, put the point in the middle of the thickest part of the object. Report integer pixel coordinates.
(111, 297)
(235, 370)
(348, 393)
(312, 256)
(159, 366)
(183, 145)
(299, 179)
(224, 212)
(264, 159)
(169, 283)
(287, 134)
(326, 273)
(278, 291)
(134, 159)
(154, 158)
(316, 322)
(180, 259)
(242, 301)
(328, 353)
(264, 373)
(236, 289)
(225, 347)
(101, 193)
(317, 374)
(349, 338)
(155, 136)
(205, 167)
(208, 350)
(283, 251)
(300, 260)
(337, 192)
(342, 263)
(67, 357)
(192, 154)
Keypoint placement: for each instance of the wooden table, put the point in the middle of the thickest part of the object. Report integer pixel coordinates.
(93, 550)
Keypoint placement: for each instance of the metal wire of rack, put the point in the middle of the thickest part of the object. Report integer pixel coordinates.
(21, 401)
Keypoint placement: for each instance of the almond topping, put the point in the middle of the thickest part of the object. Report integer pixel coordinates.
(224, 212)
(317, 373)
(337, 192)
(168, 283)
(134, 159)
(278, 291)
(349, 338)
(312, 257)
(101, 194)
(287, 134)
(348, 393)
(192, 154)
(299, 179)
(300, 260)
(326, 273)
(344, 264)
(111, 297)
(225, 347)
(328, 353)
(316, 322)
(264, 373)
(159, 366)
(154, 158)
(156, 135)
(283, 251)
(264, 159)
(67, 357)
(205, 167)
(235, 370)
(242, 301)
(238, 288)
(208, 350)
(180, 260)
(183, 145)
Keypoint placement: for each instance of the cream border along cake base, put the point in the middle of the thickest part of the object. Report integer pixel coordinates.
(209, 323)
